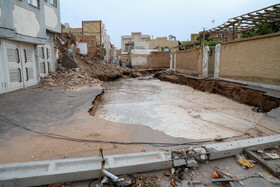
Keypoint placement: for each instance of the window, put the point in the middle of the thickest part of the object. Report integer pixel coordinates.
(34, 3)
(53, 2)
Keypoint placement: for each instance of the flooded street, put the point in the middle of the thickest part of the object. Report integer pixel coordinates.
(176, 110)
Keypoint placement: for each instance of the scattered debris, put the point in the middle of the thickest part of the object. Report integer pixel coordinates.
(241, 159)
(68, 62)
(269, 154)
(147, 181)
(223, 176)
(272, 155)
(269, 177)
(191, 163)
(68, 78)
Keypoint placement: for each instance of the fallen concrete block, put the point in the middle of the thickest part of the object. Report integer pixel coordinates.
(67, 170)
(227, 149)
(191, 163)
(68, 62)
(179, 162)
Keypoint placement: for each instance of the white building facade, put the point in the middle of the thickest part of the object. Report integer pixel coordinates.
(27, 37)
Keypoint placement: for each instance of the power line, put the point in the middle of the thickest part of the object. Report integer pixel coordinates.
(62, 137)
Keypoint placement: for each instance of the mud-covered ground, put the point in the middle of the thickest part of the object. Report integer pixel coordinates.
(179, 110)
(230, 90)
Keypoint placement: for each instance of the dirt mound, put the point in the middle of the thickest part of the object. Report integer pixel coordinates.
(230, 90)
(99, 69)
(68, 78)
(90, 67)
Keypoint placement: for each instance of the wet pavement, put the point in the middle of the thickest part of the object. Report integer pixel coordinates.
(176, 110)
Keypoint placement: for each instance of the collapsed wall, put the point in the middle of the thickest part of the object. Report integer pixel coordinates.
(76, 69)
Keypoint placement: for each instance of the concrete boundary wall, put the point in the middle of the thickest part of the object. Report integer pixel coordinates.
(187, 61)
(254, 59)
(160, 59)
(140, 60)
(56, 171)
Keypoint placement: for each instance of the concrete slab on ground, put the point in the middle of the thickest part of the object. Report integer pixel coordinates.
(64, 112)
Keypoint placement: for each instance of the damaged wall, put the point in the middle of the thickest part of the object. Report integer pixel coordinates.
(188, 61)
(160, 59)
(74, 31)
(254, 59)
(92, 48)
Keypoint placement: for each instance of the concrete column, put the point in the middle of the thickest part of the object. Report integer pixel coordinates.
(205, 62)
(175, 60)
(217, 61)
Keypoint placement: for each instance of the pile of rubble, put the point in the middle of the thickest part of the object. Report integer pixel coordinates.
(68, 78)
(99, 69)
(75, 69)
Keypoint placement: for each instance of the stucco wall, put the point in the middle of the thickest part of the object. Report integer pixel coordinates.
(140, 60)
(20, 21)
(256, 59)
(160, 59)
(25, 22)
(188, 61)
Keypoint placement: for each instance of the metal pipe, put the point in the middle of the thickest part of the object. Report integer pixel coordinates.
(226, 179)
(110, 175)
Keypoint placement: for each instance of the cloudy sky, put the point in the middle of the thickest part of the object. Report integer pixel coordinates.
(156, 18)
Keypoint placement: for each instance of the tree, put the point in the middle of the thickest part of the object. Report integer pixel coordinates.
(261, 28)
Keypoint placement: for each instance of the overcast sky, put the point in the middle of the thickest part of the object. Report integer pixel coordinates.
(156, 17)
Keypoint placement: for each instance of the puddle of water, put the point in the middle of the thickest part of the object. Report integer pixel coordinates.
(176, 110)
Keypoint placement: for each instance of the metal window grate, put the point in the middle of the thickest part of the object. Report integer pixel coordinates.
(42, 68)
(14, 75)
(13, 55)
(29, 55)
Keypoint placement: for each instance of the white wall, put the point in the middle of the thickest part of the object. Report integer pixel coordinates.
(82, 47)
(50, 17)
(25, 22)
(139, 60)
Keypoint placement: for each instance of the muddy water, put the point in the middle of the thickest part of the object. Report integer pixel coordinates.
(176, 110)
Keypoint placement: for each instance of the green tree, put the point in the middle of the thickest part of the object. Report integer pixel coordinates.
(261, 28)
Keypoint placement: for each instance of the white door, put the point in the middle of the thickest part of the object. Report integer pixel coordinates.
(48, 57)
(19, 69)
(13, 67)
(2, 80)
(42, 55)
(28, 65)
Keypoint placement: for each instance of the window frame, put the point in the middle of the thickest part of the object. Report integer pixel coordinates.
(53, 3)
(31, 1)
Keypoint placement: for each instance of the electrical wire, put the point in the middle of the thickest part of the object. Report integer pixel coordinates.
(62, 137)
